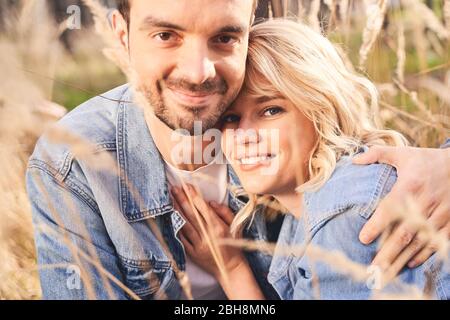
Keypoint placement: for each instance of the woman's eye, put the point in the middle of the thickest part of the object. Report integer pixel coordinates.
(230, 118)
(272, 111)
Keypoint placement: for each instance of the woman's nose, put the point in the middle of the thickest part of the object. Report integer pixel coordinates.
(245, 136)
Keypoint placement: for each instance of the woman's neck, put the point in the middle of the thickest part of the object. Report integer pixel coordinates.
(292, 201)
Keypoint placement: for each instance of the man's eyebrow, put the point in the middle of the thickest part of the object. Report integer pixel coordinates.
(264, 99)
(152, 22)
(232, 29)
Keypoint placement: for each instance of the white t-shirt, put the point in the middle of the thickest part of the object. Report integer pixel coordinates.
(212, 180)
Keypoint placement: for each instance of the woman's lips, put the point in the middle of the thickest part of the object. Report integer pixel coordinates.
(191, 98)
(255, 162)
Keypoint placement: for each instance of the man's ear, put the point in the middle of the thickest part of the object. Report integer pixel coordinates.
(120, 28)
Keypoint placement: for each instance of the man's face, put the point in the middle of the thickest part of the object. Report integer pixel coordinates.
(190, 56)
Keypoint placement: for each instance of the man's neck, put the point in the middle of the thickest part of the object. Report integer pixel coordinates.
(169, 143)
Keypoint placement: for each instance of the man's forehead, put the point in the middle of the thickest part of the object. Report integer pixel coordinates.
(191, 15)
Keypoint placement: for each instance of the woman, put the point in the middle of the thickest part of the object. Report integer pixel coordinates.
(290, 136)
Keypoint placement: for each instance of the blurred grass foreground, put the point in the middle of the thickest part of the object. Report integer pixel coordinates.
(51, 61)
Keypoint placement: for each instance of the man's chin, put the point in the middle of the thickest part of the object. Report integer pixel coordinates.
(187, 123)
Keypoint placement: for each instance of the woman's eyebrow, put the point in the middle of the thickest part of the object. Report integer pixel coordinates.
(264, 99)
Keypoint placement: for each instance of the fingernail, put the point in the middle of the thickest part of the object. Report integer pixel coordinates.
(364, 237)
(412, 264)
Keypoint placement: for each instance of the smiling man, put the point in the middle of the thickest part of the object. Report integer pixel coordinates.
(115, 235)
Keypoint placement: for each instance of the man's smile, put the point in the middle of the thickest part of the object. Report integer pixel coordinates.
(190, 98)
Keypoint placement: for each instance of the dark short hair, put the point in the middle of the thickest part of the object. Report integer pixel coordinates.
(124, 8)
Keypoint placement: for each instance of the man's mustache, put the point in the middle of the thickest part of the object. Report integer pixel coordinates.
(207, 87)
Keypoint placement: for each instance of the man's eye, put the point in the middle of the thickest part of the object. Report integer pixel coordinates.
(225, 39)
(165, 36)
(272, 111)
(230, 118)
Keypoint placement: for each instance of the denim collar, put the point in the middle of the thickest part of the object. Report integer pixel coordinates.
(143, 187)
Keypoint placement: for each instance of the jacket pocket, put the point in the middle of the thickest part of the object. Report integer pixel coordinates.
(147, 278)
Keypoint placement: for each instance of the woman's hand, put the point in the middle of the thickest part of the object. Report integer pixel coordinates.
(205, 224)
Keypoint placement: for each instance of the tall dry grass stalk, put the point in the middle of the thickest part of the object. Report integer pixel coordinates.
(401, 54)
(375, 18)
(27, 47)
(447, 13)
(313, 16)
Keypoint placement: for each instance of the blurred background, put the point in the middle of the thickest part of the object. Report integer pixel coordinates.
(51, 61)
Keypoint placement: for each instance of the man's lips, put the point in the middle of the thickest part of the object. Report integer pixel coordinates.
(191, 98)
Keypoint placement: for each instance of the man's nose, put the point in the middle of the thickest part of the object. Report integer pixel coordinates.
(195, 63)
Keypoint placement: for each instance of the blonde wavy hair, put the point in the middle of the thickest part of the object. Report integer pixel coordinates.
(290, 59)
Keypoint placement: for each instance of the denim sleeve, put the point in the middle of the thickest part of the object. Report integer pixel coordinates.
(335, 278)
(446, 144)
(76, 258)
(347, 273)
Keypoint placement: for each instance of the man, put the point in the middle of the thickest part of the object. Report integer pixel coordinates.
(113, 234)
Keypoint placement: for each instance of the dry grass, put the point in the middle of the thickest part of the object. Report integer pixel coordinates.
(408, 58)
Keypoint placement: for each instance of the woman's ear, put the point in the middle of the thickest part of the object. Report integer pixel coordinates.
(120, 29)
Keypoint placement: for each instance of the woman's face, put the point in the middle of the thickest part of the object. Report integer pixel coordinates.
(268, 142)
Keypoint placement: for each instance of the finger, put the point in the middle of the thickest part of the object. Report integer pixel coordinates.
(383, 216)
(224, 212)
(378, 154)
(187, 244)
(186, 207)
(191, 233)
(176, 204)
(395, 244)
(422, 256)
(440, 217)
(416, 245)
(431, 248)
(192, 229)
(200, 204)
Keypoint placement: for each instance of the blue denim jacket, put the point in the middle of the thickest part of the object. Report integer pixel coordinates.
(332, 219)
(96, 225)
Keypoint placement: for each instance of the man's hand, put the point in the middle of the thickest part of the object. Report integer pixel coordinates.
(424, 175)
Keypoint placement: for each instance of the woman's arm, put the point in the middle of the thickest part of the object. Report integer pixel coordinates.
(206, 224)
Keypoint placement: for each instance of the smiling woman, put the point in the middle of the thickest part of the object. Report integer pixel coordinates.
(298, 85)
(297, 82)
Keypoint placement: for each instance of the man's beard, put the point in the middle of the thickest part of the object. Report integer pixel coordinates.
(168, 115)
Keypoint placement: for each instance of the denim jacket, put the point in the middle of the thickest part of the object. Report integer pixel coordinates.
(332, 219)
(96, 230)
